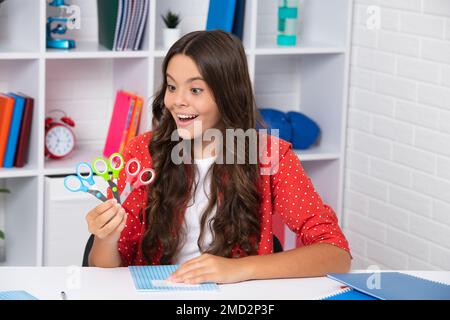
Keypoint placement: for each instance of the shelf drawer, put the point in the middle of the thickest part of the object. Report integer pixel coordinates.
(65, 227)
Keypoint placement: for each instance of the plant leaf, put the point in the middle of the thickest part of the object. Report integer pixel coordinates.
(2, 235)
(5, 191)
(171, 19)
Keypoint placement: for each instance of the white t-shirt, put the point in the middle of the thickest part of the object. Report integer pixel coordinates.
(193, 214)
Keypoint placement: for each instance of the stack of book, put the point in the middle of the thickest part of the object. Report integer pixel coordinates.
(121, 23)
(16, 113)
(124, 123)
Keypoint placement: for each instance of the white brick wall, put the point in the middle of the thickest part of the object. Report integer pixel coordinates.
(397, 186)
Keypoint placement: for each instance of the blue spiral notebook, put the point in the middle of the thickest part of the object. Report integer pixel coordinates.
(394, 286)
(153, 278)
(349, 294)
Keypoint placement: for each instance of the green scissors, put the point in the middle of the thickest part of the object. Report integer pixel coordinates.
(103, 167)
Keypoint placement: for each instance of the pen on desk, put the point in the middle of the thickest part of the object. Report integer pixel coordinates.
(63, 295)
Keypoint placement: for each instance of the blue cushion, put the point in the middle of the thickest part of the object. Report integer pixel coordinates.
(305, 132)
(276, 119)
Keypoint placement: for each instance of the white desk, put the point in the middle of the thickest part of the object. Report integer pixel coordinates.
(97, 283)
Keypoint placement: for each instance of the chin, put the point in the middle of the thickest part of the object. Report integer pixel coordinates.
(190, 132)
(185, 134)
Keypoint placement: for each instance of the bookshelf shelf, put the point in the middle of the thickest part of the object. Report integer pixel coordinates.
(311, 77)
(93, 50)
(318, 153)
(16, 55)
(27, 171)
(269, 47)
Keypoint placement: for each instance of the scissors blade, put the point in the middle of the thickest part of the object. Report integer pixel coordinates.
(98, 195)
(114, 190)
(125, 193)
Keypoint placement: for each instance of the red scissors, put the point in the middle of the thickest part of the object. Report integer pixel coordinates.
(136, 178)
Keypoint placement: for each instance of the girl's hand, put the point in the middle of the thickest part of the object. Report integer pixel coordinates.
(107, 220)
(210, 268)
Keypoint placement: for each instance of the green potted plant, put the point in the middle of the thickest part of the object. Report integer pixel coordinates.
(2, 236)
(171, 33)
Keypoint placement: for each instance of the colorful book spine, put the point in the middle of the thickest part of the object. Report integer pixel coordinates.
(135, 120)
(133, 18)
(141, 28)
(6, 112)
(117, 123)
(14, 130)
(127, 123)
(24, 135)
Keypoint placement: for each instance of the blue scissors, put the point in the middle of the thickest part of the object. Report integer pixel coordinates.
(103, 167)
(76, 183)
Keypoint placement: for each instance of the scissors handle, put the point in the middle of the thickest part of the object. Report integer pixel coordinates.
(143, 178)
(89, 178)
(131, 175)
(139, 183)
(116, 168)
(74, 184)
(68, 183)
(103, 170)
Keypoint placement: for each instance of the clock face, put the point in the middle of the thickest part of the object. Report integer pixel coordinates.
(59, 141)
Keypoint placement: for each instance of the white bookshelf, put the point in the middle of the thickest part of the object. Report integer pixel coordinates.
(311, 77)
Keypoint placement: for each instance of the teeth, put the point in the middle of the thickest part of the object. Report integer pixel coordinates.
(184, 116)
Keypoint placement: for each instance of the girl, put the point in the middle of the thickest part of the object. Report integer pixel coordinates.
(214, 219)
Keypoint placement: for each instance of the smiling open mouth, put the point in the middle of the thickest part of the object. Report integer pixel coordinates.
(186, 117)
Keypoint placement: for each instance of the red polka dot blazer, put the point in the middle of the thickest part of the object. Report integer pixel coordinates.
(287, 192)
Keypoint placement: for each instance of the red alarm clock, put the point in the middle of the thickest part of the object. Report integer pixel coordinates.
(59, 137)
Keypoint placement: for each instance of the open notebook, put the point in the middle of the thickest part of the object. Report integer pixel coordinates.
(153, 278)
(388, 286)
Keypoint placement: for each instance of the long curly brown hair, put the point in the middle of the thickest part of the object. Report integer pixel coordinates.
(221, 60)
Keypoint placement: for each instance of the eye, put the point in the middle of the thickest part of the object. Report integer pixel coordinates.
(171, 88)
(196, 90)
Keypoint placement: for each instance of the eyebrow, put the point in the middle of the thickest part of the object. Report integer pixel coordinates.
(188, 80)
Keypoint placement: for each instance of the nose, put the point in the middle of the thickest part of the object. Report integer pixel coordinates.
(179, 99)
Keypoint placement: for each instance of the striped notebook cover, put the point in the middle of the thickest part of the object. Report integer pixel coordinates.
(153, 278)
